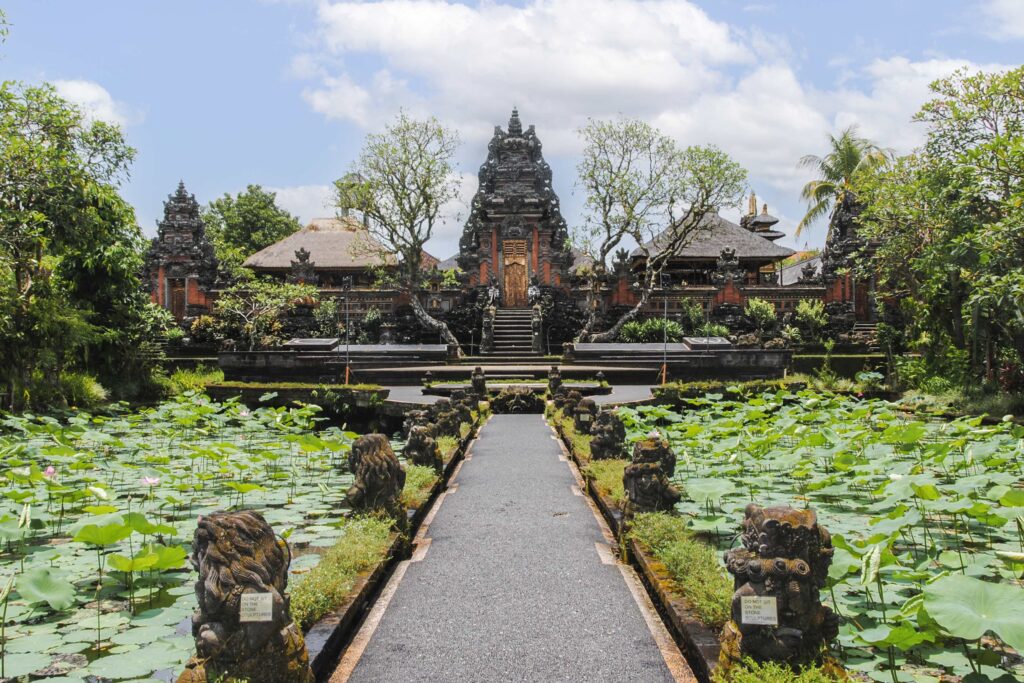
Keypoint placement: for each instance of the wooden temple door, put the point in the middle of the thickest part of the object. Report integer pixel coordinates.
(177, 298)
(515, 273)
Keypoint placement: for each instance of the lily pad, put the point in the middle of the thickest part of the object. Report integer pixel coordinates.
(967, 608)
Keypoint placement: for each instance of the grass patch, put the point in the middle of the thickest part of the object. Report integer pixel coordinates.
(365, 543)
(419, 482)
(448, 446)
(579, 444)
(770, 672)
(607, 476)
(464, 429)
(693, 565)
(195, 379)
(271, 386)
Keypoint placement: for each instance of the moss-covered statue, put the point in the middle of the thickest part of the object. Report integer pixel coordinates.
(236, 555)
(566, 400)
(417, 418)
(785, 558)
(479, 383)
(379, 478)
(583, 415)
(646, 478)
(554, 379)
(445, 418)
(421, 449)
(607, 437)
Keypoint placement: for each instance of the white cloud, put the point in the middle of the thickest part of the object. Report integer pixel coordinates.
(306, 201)
(561, 62)
(96, 102)
(1005, 18)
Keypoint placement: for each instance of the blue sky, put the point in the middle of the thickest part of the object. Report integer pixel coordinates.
(281, 93)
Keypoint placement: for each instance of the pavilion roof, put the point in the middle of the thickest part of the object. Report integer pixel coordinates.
(341, 243)
(718, 233)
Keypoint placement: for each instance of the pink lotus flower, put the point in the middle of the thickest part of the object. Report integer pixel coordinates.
(151, 481)
(50, 472)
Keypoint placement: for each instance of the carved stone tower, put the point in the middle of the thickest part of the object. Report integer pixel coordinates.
(515, 231)
(181, 267)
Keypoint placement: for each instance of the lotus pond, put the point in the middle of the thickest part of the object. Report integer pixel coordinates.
(99, 511)
(927, 519)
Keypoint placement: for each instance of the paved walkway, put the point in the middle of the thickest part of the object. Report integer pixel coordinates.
(513, 580)
(623, 393)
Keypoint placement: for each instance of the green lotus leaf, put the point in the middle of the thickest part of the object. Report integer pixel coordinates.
(102, 536)
(44, 584)
(140, 562)
(20, 664)
(967, 608)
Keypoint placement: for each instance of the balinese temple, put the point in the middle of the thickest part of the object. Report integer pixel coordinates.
(181, 268)
(515, 232)
(515, 242)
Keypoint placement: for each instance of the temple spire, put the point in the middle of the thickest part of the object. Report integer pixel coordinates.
(515, 126)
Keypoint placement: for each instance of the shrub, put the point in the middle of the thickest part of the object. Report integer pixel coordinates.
(364, 544)
(693, 565)
(419, 481)
(82, 390)
(713, 330)
(692, 316)
(811, 317)
(205, 330)
(650, 331)
(791, 335)
(195, 379)
(607, 476)
(762, 312)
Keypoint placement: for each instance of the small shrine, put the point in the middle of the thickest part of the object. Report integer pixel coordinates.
(181, 267)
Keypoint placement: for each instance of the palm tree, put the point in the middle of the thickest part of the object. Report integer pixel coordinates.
(850, 156)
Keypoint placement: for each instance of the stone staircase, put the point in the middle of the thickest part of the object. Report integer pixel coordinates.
(513, 336)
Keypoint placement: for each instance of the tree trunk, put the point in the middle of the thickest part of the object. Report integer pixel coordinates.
(593, 297)
(432, 322)
(613, 332)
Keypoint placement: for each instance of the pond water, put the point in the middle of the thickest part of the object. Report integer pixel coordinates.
(927, 518)
(120, 492)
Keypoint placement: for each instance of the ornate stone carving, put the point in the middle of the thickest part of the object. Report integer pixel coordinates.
(646, 478)
(566, 400)
(809, 274)
(463, 405)
(728, 268)
(479, 380)
(237, 554)
(379, 477)
(536, 325)
(583, 415)
(517, 401)
(446, 419)
(303, 270)
(181, 252)
(417, 418)
(421, 449)
(785, 556)
(608, 437)
(487, 330)
(515, 199)
(554, 380)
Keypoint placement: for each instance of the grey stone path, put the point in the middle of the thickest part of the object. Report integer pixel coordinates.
(512, 587)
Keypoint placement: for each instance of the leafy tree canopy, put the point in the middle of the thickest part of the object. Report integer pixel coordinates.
(240, 226)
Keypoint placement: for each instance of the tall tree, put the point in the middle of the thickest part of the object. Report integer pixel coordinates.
(849, 157)
(70, 249)
(401, 180)
(240, 226)
(641, 188)
(946, 221)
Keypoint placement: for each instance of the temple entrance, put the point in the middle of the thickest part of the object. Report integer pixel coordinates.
(515, 273)
(177, 298)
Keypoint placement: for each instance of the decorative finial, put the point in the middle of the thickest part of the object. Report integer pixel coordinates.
(764, 209)
(752, 207)
(515, 126)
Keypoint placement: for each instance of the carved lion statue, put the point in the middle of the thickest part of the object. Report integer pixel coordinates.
(421, 449)
(237, 553)
(379, 477)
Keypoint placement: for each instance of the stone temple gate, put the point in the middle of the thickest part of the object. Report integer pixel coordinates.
(515, 234)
